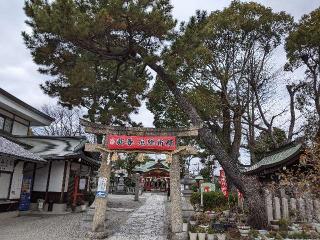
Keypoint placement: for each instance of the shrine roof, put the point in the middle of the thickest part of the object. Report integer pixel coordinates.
(279, 157)
(13, 150)
(150, 165)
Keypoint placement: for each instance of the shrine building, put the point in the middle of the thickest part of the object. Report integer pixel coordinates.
(154, 175)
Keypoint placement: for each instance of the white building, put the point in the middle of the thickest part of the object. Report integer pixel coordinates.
(16, 118)
(65, 178)
(53, 168)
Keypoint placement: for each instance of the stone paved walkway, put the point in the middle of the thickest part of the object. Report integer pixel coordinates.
(147, 223)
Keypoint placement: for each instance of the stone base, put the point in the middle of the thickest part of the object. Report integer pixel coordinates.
(96, 235)
(179, 236)
(33, 206)
(187, 213)
(6, 215)
(59, 207)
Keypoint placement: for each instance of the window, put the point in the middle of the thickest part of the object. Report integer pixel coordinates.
(8, 125)
(1, 122)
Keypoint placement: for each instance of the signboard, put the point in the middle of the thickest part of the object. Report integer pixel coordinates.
(6, 165)
(208, 187)
(123, 142)
(25, 197)
(102, 187)
(82, 183)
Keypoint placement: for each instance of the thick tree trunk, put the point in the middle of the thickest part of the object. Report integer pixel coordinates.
(255, 200)
(175, 195)
(249, 186)
(100, 202)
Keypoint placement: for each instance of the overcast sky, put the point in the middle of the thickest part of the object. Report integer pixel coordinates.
(19, 76)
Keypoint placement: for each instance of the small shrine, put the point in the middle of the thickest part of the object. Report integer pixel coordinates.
(155, 175)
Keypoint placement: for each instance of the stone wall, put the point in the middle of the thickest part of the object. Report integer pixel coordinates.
(302, 209)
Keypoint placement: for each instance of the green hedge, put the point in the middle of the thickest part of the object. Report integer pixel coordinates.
(214, 201)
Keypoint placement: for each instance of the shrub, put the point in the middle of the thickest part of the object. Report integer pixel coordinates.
(203, 218)
(210, 231)
(200, 229)
(193, 229)
(213, 201)
(283, 224)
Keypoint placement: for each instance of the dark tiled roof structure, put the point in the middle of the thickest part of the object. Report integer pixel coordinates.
(58, 148)
(276, 158)
(15, 151)
(150, 165)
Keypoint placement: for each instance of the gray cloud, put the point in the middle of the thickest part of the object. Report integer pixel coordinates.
(19, 76)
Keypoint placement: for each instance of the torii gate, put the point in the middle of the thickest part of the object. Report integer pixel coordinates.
(105, 168)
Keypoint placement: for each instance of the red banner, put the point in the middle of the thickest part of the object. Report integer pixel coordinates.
(124, 142)
(223, 183)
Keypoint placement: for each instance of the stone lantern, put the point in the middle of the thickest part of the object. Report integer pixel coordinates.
(187, 209)
(187, 182)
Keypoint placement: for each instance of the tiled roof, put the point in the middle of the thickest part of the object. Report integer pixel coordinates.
(14, 150)
(148, 166)
(276, 158)
(55, 147)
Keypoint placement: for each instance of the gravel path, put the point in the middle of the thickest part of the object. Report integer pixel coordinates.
(146, 223)
(67, 227)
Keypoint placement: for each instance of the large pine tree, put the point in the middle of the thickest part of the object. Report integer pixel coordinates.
(140, 33)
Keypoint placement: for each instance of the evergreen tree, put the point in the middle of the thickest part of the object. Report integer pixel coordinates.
(303, 50)
(143, 33)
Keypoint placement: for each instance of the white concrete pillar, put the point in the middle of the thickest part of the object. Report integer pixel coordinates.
(301, 209)
(269, 208)
(277, 208)
(293, 209)
(309, 209)
(316, 210)
(285, 208)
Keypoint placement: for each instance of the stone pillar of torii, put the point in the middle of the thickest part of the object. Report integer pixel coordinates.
(100, 203)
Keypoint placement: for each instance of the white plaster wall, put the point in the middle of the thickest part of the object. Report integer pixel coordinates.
(41, 175)
(56, 176)
(16, 181)
(37, 120)
(19, 129)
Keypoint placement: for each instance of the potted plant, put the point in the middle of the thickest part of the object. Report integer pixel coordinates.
(185, 225)
(201, 233)
(226, 213)
(254, 234)
(283, 224)
(210, 234)
(193, 233)
(220, 235)
(203, 220)
(244, 230)
(193, 220)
